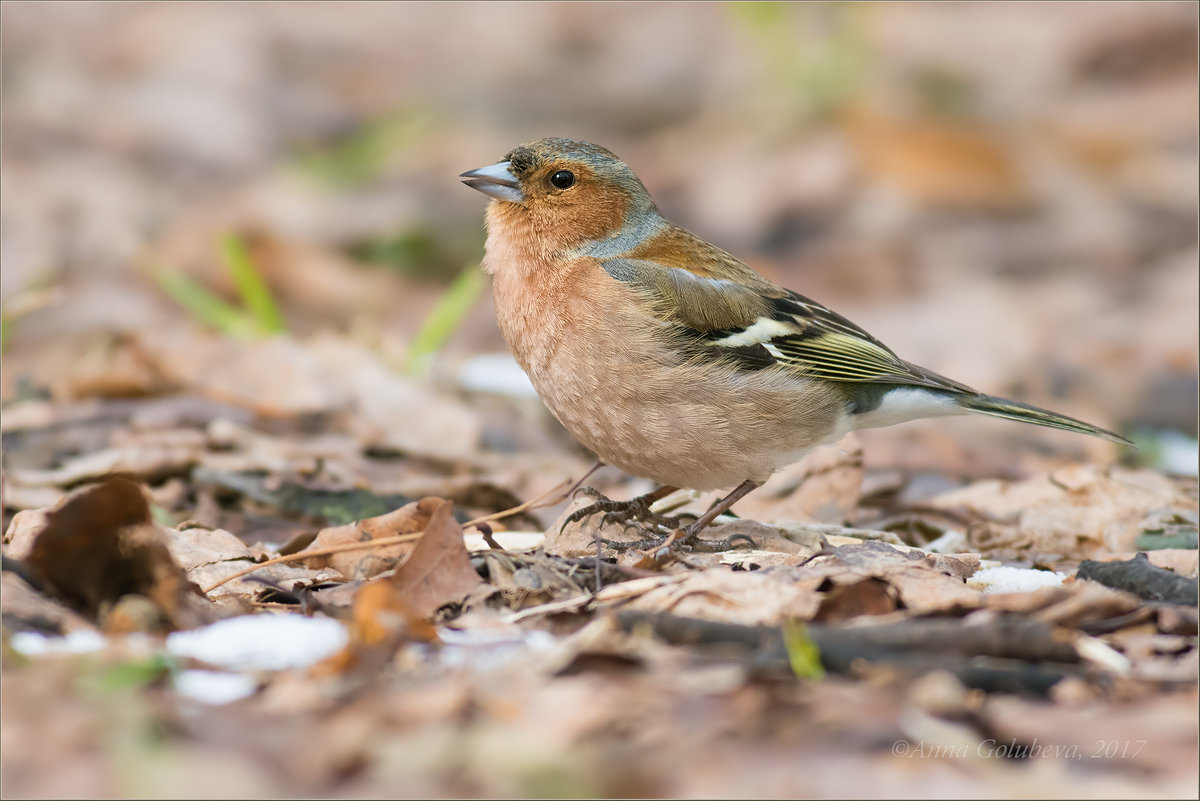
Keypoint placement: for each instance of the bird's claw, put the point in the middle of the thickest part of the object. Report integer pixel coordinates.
(644, 544)
(652, 529)
(629, 513)
(590, 492)
(693, 543)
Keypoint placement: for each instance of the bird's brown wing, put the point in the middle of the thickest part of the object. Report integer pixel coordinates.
(764, 325)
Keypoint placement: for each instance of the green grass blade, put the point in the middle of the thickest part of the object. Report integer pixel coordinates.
(204, 306)
(802, 652)
(445, 316)
(255, 294)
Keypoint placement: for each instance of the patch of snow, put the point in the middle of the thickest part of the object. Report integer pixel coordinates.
(33, 643)
(261, 642)
(486, 650)
(214, 688)
(1014, 579)
(509, 540)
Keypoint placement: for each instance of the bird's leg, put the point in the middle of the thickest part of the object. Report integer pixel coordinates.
(689, 537)
(636, 510)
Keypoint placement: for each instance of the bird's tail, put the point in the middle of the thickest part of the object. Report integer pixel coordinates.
(1023, 412)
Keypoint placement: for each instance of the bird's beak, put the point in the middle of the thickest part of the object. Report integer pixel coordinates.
(495, 181)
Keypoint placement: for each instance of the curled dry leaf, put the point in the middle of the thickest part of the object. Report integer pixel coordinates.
(361, 564)
(396, 609)
(101, 546)
(439, 570)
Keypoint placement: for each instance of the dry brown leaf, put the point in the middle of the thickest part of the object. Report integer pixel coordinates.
(116, 368)
(924, 582)
(101, 545)
(757, 597)
(392, 410)
(1073, 604)
(380, 620)
(870, 596)
(381, 612)
(1076, 512)
(439, 570)
(363, 564)
(1087, 602)
(196, 546)
(276, 377)
(25, 608)
(209, 555)
(22, 530)
(140, 454)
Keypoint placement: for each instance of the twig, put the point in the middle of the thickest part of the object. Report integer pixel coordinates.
(1141, 578)
(488, 537)
(295, 557)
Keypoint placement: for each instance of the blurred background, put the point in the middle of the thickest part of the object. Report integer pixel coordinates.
(239, 201)
(238, 265)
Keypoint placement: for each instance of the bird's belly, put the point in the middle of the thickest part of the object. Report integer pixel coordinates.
(689, 426)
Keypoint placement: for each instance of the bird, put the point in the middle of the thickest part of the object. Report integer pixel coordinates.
(671, 359)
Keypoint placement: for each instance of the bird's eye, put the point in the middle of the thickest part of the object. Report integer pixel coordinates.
(563, 179)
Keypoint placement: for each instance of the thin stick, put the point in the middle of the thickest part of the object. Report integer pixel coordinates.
(398, 539)
(295, 557)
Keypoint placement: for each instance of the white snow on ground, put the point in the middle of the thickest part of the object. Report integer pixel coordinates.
(261, 642)
(212, 687)
(32, 643)
(1014, 579)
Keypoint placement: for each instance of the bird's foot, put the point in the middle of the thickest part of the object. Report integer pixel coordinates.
(666, 547)
(635, 514)
(691, 541)
(658, 531)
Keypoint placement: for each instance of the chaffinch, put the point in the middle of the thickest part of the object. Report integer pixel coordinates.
(668, 357)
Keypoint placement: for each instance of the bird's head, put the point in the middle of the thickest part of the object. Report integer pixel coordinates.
(566, 192)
